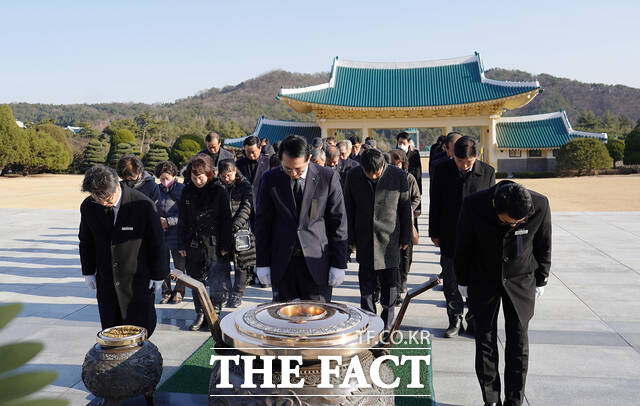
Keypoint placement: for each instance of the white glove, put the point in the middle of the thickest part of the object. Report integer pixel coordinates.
(90, 281)
(336, 276)
(539, 291)
(464, 290)
(156, 285)
(264, 274)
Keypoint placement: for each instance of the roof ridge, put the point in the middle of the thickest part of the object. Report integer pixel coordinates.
(532, 117)
(407, 65)
(288, 123)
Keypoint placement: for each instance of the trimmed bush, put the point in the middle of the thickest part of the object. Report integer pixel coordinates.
(93, 155)
(121, 150)
(584, 155)
(14, 147)
(185, 147)
(632, 147)
(616, 150)
(158, 152)
(58, 134)
(501, 175)
(534, 175)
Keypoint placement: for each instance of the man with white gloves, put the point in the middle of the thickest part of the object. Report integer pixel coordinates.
(121, 250)
(503, 254)
(301, 227)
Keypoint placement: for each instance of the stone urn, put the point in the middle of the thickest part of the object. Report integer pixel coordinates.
(122, 364)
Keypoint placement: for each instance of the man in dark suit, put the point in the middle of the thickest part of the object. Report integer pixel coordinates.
(376, 197)
(456, 178)
(356, 148)
(345, 163)
(253, 164)
(503, 253)
(301, 227)
(214, 149)
(413, 156)
(121, 250)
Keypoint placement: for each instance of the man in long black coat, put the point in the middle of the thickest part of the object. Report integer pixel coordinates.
(215, 150)
(121, 250)
(456, 178)
(376, 197)
(301, 227)
(503, 253)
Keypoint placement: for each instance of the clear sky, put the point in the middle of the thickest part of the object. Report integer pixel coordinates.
(158, 51)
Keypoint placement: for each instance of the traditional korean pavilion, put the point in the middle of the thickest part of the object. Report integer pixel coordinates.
(444, 93)
(277, 130)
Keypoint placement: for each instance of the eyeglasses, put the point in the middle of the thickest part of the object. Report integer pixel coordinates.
(108, 200)
(294, 171)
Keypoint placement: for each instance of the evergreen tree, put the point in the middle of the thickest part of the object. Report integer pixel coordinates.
(583, 154)
(59, 135)
(118, 152)
(185, 147)
(587, 120)
(616, 150)
(14, 146)
(158, 152)
(93, 155)
(632, 147)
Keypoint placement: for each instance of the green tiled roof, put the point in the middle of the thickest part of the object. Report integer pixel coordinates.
(539, 131)
(278, 130)
(412, 84)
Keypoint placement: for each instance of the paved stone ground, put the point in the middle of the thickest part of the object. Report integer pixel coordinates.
(585, 335)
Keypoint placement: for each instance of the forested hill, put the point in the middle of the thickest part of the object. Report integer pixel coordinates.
(245, 102)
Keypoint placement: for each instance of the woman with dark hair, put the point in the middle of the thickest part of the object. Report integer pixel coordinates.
(132, 173)
(204, 230)
(167, 205)
(399, 159)
(240, 198)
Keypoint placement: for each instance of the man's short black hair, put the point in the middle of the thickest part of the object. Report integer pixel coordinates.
(251, 140)
(101, 181)
(355, 140)
(465, 147)
(372, 160)
(403, 135)
(317, 142)
(294, 146)
(370, 141)
(513, 199)
(274, 161)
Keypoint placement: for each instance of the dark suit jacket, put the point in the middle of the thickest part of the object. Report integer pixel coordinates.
(124, 257)
(490, 255)
(263, 166)
(380, 220)
(321, 228)
(415, 167)
(222, 154)
(344, 166)
(448, 190)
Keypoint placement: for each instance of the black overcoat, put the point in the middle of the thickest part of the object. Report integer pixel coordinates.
(124, 257)
(490, 255)
(448, 189)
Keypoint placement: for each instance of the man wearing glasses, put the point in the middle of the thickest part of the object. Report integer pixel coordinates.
(503, 254)
(121, 250)
(301, 227)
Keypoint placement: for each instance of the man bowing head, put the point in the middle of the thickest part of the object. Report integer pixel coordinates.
(301, 227)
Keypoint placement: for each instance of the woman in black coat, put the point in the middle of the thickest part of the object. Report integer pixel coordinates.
(204, 230)
(240, 198)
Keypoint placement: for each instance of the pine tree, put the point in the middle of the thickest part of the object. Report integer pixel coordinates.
(94, 154)
(158, 152)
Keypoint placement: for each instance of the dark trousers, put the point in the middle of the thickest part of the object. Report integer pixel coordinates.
(388, 291)
(455, 304)
(223, 281)
(201, 265)
(486, 309)
(178, 263)
(406, 258)
(297, 283)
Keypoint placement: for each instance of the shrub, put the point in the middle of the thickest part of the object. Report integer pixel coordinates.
(185, 147)
(93, 155)
(632, 147)
(584, 155)
(14, 146)
(616, 150)
(158, 152)
(122, 136)
(58, 134)
(121, 150)
(46, 154)
(501, 175)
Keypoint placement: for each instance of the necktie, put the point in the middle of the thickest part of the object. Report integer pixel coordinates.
(110, 214)
(297, 194)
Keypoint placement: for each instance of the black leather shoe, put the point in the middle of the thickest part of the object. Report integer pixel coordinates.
(197, 323)
(471, 327)
(263, 285)
(455, 327)
(399, 300)
(234, 301)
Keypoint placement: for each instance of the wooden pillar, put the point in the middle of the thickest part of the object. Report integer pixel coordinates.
(490, 150)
